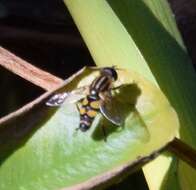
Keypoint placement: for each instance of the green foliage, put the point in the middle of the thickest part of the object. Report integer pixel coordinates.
(142, 36)
(41, 149)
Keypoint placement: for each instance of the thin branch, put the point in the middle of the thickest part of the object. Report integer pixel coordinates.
(183, 151)
(27, 71)
(38, 100)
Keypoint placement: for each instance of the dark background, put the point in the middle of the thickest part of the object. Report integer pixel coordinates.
(43, 33)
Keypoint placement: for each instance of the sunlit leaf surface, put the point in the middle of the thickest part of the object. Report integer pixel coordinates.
(41, 149)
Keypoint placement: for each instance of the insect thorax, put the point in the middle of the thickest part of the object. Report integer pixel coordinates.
(100, 84)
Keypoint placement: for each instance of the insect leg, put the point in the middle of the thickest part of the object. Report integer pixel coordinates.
(104, 133)
(95, 68)
(120, 86)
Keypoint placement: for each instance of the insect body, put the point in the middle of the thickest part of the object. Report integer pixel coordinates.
(98, 93)
(98, 99)
(88, 111)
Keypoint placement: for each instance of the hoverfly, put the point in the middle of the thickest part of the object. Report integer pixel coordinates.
(95, 98)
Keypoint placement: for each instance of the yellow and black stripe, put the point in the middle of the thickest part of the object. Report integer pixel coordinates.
(90, 106)
(101, 84)
(96, 98)
(88, 111)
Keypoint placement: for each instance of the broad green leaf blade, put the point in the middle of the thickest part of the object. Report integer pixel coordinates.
(141, 35)
(41, 149)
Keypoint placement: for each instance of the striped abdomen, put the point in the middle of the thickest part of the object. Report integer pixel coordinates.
(91, 104)
(88, 111)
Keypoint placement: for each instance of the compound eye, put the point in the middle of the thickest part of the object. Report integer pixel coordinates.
(83, 127)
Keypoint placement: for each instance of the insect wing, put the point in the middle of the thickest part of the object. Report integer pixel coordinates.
(109, 108)
(67, 97)
(57, 99)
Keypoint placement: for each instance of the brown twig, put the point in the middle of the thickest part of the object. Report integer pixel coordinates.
(27, 71)
(183, 151)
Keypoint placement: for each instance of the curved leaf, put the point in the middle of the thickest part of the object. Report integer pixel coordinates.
(41, 149)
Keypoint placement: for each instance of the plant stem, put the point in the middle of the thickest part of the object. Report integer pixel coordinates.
(183, 151)
(27, 71)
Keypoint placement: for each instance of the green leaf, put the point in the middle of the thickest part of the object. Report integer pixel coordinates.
(41, 149)
(141, 35)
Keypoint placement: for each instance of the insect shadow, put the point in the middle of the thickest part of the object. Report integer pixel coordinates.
(126, 99)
